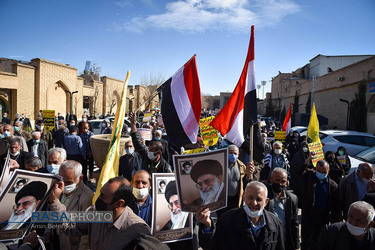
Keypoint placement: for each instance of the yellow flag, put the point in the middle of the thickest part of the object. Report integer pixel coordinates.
(313, 128)
(111, 163)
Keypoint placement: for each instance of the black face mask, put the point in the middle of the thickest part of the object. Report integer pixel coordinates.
(278, 188)
(100, 205)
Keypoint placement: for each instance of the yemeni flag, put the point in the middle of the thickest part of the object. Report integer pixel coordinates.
(180, 102)
(287, 125)
(240, 112)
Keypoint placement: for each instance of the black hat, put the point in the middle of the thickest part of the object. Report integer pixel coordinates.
(206, 167)
(35, 188)
(170, 190)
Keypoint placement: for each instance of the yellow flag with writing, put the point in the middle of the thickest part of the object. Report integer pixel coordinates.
(111, 163)
(313, 128)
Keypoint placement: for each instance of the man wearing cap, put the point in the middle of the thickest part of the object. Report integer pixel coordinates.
(27, 200)
(208, 175)
(179, 219)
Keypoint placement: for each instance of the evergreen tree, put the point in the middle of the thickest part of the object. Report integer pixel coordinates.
(358, 109)
(295, 106)
(283, 114)
(308, 104)
(270, 108)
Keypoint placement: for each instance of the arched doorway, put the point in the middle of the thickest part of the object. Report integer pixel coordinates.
(3, 107)
(57, 98)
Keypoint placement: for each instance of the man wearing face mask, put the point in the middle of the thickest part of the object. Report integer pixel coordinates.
(141, 187)
(356, 185)
(18, 157)
(19, 132)
(275, 159)
(116, 196)
(45, 134)
(38, 147)
(130, 163)
(248, 227)
(284, 204)
(5, 120)
(165, 153)
(319, 202)
(152, 159)
(8, 132)
(55, 157)
(75, 197)
(88, 159)
(60, 134)
(354, 234)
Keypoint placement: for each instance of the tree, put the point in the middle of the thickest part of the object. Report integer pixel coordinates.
(308, 104)
(295, 106)
(270, 108)
(150, 83)
(282, 115)
(358, 109)
(206, 101)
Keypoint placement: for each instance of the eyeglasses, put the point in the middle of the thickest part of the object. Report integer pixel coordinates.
(176, 203)
(24, 204)
(207, 182)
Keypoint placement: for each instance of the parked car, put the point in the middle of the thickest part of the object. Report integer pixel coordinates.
(299, 129)
(367, 155)
(97, 124)
(353, 141)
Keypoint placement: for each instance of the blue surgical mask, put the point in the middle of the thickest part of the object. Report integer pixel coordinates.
(157, 138)
(36, 141)
(16, 128)
(164, 134)
(232, 157)
(53, 169)
(129, 151)
(6, 134)
(321, 176)
(1, 136)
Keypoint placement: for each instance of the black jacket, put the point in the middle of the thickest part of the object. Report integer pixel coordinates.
(43, 150)
(233, 231)
(148, 165)
(337, 237)
(291, 217)
(129, 164)
(21, 160)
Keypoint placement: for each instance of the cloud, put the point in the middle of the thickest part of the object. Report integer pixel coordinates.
(123, 4)
(199, 16)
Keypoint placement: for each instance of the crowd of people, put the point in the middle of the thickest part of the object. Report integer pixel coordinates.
(271, 199)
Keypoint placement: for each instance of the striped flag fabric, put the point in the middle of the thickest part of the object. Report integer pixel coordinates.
(240, 112)
(180, 103)
(112, 160)
(287, 125)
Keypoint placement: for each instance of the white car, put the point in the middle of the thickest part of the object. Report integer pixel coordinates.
(367, 155)
(299, 129)
(353, 141)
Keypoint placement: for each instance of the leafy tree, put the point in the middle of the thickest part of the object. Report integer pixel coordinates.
(151, 83)
(308, 104)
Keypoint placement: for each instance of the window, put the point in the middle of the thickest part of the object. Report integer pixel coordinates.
(351, 139)
(370, 141)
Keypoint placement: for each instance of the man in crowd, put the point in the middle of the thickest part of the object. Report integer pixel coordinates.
(45, 134)
(5, 120)
(33, 164)
(19, 132)
(130, 163)
(208, 175)
(18, 157)
(88, 158)
(275, 159)
(357, 233)
(115, 196)
(27, 200)
(356, 185)
(157, 136)
(141, 184)
(55, 157)
(179, 219)
(320, 202)
(248, 227)
(8, 132)
(284, 204)
(74, 147)
(75, 197)
(38, 147)
(152, 159)
(60, 134)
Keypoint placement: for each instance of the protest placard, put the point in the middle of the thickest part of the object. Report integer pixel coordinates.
(145, 133)
(193, 151)
(208, 133)
(318, 149)
(49, 119)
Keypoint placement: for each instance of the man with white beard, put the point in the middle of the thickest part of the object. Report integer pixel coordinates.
(27, 200)
(186, 167)
(179, 219)
(208, 175)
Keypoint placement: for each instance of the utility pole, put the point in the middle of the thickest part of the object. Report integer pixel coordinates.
(312, 93)
(263, 83)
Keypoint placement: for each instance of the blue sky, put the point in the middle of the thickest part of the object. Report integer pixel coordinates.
(158, 36)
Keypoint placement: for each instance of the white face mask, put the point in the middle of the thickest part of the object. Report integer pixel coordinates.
(252, 214)
(15, 154)
(356, 231)
(140, 193)
(151, 156)
(277, 151)
(70, 188)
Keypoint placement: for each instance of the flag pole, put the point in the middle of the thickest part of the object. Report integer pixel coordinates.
(251, 154)
(150, 98)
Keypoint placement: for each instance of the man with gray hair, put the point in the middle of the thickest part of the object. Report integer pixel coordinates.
(38, 147)
(356, 185)
(60, 134)
(354, 234)
(275, 159)
(8, 132)
(55, 157)
(284, 204)
(165, 153)
(75, 197)
(248, 227)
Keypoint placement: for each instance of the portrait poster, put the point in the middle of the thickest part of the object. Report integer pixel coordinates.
(202, 180)
(24, 193)
(169, 223)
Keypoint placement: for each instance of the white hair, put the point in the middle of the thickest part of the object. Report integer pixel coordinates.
(258, 185)
(279, 170)
(76, 166)
(158, 132)
(36, 133)
(232, 147)
(364, 207)
(278, 143)
(62, 152)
